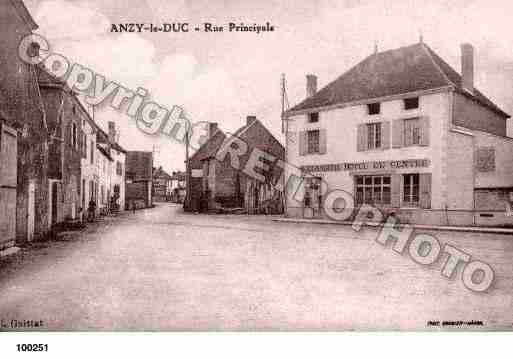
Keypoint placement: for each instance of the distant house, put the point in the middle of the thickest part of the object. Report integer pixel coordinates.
(217, 185)
(116, 189)
(161, 185)
(139, 179)
(178, 187)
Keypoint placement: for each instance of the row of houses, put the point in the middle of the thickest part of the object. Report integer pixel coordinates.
(56, 164)
(401, 131)
(168, 188)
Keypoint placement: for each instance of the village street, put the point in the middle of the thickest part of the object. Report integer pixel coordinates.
(162, 269)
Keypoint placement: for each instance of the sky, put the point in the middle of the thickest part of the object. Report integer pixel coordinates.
(223, 77)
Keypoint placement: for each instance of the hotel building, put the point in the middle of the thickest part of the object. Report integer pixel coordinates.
(405, 132)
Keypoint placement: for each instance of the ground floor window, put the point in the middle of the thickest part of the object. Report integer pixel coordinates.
(411, 189)
(373, 189)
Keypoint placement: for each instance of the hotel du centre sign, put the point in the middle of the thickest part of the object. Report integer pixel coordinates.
(366, 166)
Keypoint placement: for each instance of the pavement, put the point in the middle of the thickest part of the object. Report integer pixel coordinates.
(162, 269)
(496, 230)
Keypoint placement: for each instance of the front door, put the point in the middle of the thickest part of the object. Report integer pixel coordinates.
(31, 208)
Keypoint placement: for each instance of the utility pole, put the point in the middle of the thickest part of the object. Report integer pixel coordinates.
(284, 129)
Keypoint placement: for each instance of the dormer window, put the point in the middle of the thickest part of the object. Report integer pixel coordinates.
(411, 103)
(374, 108)
(313, 117)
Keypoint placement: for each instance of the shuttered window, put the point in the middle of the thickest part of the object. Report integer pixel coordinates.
(373, 136)
(411, 190)
(411, 132)
(313, 141)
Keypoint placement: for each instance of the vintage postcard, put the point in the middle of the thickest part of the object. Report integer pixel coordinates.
(196, 165)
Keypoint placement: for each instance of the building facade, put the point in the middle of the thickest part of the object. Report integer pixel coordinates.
(21, 108)
(162, 185)
(139, 179)
(178, 187)
(406, 133)
(65, 117)
(217, 185)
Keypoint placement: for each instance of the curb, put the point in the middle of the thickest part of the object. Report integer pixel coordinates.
(492, 230)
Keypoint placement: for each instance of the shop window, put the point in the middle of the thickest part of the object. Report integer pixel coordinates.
(411, 103)
(411, 189)
(412, 132)
(373, 136)
(313, 141)
(374, 108)
(313, 117)
(373, 189)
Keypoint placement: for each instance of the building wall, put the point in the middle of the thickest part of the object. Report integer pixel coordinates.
(66, 150)
(119, 179)
(470, 114)
(89, 166)
(105, 180)
(21, 105)
(341, 126)
(502, 175)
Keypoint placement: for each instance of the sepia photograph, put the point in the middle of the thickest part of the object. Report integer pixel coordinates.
(255, 166)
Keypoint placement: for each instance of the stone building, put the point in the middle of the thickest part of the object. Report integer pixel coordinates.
(21, 108)
(65, 116)
(217, 184)
(162, 185)
(405, 132)
(139, 179)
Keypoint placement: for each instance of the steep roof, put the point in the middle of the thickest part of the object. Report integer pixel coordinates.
(160, 173)
(20, 7)
(105, 152)
(209, 148)
(399, 71)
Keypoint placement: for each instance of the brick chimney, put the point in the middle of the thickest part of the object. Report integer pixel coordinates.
(467, 67)
(250, 120)
(212, 128)
(311, 85)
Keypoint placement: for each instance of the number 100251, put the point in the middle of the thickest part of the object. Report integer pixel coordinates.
(32, 347)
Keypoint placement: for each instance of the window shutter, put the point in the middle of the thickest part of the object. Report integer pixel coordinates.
(385, 135)
(425, 130)
(395, 190)
(425, 190)
(398, 134)
(302, 143)
(322, 142)
(361, 137)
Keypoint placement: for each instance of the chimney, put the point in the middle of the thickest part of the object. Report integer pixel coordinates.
(212, 128)
(112, 132)
(467, 67)
(250, 120)
(311, 85)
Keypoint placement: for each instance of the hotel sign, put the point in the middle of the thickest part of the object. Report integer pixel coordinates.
(366, 166)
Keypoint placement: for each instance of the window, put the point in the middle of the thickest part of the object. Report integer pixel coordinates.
(313, 117)
(412, 132)
(373, 136)
(485, 159)
(84, 146)
(74, 135)
(313, 141)
(74, 110)
(411, 103)
(374, 108)
(373, 189)
(92, 152)
(411, 189)
(119, 168)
